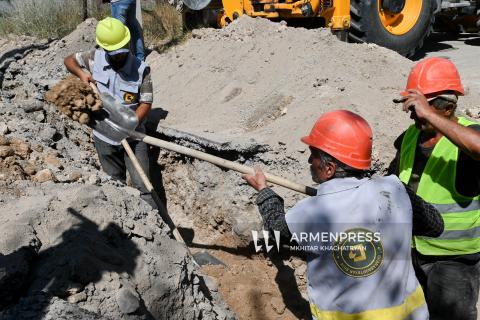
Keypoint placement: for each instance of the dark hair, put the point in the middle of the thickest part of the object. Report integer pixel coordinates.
(342, 170)
(441, 104)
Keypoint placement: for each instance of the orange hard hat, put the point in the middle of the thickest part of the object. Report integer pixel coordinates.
(345, 136)
(434, 75)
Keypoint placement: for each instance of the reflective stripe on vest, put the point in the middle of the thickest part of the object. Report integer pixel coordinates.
(437, 186)
(413, 302)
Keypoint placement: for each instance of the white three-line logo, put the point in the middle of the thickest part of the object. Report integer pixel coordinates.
(265, 238)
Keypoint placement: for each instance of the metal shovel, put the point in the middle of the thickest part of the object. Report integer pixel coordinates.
(117, 123)
(105, 121)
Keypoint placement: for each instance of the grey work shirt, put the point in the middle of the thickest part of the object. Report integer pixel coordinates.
(86, 59)
(143, 92)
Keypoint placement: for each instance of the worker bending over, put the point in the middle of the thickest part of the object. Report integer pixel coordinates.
(356, 231)
(117, 72)
(439, 158)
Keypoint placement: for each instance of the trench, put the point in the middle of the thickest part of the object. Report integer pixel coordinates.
(215, 212)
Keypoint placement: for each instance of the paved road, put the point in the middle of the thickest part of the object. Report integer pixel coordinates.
(464, 51)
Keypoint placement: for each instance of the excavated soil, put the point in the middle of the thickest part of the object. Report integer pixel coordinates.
(75, 99)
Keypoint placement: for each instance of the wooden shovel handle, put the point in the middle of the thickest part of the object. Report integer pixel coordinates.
(227, 164)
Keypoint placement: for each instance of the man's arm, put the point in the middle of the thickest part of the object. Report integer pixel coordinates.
(74, 67)
(271, 208)
(146, 96)
(270, 204)
(467, 139)
(427, 221)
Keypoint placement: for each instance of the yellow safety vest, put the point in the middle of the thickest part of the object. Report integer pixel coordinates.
(460, 214)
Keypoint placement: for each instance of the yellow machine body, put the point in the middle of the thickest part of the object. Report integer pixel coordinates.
(335, 12)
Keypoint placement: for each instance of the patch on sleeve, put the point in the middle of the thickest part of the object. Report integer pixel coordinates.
(129, 97)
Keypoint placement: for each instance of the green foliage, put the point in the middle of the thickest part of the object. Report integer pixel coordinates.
(163, 26)
(46, 18)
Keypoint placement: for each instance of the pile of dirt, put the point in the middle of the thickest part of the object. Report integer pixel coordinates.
(74, 98)
(100, 248)
(19, 161)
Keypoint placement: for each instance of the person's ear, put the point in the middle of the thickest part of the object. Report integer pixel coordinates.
(449, 110)
(330, 169)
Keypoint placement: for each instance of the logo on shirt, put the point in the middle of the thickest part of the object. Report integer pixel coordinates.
(129, 97)
(360, 254)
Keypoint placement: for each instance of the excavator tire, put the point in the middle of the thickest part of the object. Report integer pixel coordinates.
(403, 32)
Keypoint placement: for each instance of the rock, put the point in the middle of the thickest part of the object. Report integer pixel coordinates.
(277, 305)
(74, 176)
(47, 133)
(127, 301)
(4, 128)
(52, 159)
(21, 148)
(93, 179)
(74, 288)
(30, 169)
(78, 297)
(3, 141)
(38, 148)
(40, 117)
(44, 176)
(6, 151)
(143, 231)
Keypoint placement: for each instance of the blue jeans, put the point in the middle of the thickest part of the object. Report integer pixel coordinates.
(124, 10)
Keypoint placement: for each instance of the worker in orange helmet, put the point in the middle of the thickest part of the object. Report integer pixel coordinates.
(439, 158)
(356, 230)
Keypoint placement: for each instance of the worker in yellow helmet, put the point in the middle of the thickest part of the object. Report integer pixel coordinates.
(116, 71)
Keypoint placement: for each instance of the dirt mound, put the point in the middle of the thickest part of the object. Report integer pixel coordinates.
(265, 81)
(102, 249)
(75, 99)
(42, 66)
(76, 244)
(19, 161)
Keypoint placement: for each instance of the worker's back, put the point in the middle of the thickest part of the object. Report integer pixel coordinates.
(368, 271)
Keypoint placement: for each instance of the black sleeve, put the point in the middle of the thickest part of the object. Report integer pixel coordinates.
(272, 210)
(393, 167)
(468, 173)
(427, 221)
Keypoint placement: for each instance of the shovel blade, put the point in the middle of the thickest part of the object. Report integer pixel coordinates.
(114, 120)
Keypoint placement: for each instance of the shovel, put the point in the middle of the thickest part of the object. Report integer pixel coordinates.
(117, 123)
(103, 121)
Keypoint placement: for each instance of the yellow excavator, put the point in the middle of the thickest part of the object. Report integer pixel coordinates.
(400, 25)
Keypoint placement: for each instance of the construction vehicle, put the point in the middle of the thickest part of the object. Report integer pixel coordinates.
(401, 25)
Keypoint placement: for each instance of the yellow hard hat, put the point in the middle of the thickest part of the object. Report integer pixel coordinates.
(112, 34)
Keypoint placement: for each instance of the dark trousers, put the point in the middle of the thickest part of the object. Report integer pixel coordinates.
(115, 162)
(450, 285)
